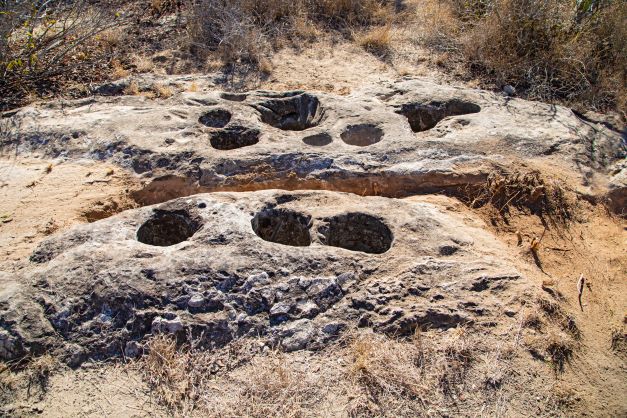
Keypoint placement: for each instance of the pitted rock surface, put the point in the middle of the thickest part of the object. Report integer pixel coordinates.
(391, 139)
(295, 268)
(98, 288)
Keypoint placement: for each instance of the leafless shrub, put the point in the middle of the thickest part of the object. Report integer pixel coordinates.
(45, 42)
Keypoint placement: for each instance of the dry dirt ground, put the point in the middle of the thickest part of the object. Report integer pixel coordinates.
(41, 197)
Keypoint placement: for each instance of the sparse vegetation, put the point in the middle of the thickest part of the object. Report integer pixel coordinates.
(550, 50)
(369, 373)
(376, 40)
(560, 347)
(44, 45)
(247, 30)
(553, 51)
(529, 192)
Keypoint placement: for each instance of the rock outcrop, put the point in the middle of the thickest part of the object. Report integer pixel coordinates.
(294, 268)
(391, 139)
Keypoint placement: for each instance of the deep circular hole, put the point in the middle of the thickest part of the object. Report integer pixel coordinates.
(167, 228)
(362, 135)
(425, 116)
(358, 232)
(282, 226)
(234, 137)
(294, 112)
(318, 140)
(216, 118)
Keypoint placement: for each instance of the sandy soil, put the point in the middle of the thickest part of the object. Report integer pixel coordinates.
(39, 197)
(594, 246)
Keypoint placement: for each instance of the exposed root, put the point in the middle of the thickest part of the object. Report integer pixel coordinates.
(528, 192)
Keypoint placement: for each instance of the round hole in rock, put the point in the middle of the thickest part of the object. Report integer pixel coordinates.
(167, 228)
(292, 112)
(425, 116)
(318, 140)
(282, 226)
(234, 137)
(216, 118)
(362, 135)
(358, 232)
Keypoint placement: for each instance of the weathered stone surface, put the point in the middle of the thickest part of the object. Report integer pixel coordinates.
(391, 139)
(293, 268)
(109, 290)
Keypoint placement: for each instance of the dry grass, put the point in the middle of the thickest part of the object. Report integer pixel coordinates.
(162, 91)
(142, 64)
(560, 337)
(117, 70)
(270, 386)
(364, 374)
(529, 192)
(376, 40)
(560, 347)
(248, 30)
(549, 49)
(618, 339)
(132, 89)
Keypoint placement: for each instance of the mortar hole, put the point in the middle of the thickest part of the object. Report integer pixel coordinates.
(167, 228)
(357, 232)
(293, 113)
(424, 116)
(282, 227)
(318, 140)
(216, 118)
(234, 137)
(362, 135)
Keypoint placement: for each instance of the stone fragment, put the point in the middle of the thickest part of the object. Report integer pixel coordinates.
(170, 326)
(196, 301)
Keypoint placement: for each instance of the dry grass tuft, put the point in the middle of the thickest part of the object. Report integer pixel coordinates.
(165, 369)
(38, 373)
(376, 40)
(132, 89)
(526, 191)
(162, 91)
(117, 70)
(560, 347)
(532, 319)
(142, 64)
(619, 340)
